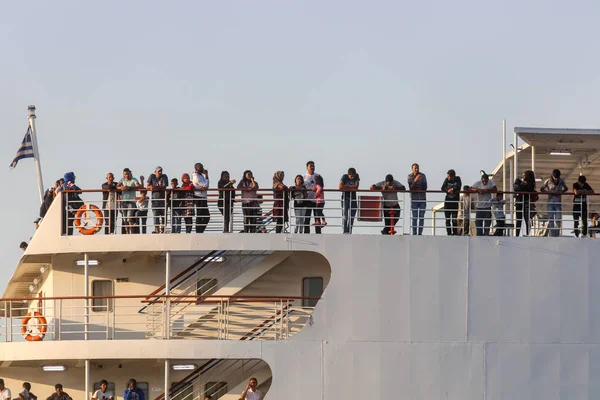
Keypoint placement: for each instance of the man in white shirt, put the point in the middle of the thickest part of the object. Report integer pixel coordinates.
(200, 181)
(311, 205)
(4, 391)
(251, 393)
(483, 211)
(103, 393)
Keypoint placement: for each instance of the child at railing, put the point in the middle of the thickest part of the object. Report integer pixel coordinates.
(498, 207)
(320, 201)
(188, 201)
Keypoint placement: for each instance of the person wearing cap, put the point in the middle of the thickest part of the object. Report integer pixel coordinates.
(201, 183)
(483, 208)
(158, 182)
(555, 186)
(391, 207)
(451, 186)
(4, 391)
(128, 186)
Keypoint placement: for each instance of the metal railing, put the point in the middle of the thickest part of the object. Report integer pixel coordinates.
(358, 211)
(117, 317)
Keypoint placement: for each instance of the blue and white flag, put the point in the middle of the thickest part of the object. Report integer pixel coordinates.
(26, 149)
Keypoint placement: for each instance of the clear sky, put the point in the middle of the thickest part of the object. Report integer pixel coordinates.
(268, 85)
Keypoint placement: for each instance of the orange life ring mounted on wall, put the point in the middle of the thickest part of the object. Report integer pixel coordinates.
(99, 217)
(42, 327)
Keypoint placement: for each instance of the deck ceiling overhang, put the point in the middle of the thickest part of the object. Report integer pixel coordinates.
(582, 144)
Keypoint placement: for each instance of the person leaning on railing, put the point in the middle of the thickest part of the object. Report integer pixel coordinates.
(59, 394)
(349, 183)
(483, 209)
(128, 186)
(555, 186)
(391, 207)
(187, 194)
(451, 186)
(580, 204)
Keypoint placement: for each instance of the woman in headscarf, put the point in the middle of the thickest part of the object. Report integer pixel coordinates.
(226, 199)
(282, 201)
(250, 205)
(187, 195)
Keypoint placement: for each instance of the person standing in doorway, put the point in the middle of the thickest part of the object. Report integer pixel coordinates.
(201, 184)
(417, 182)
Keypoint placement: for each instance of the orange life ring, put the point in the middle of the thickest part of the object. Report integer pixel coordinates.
(42, 324)
(84, 209)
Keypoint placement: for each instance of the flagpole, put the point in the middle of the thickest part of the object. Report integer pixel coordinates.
(36, 153)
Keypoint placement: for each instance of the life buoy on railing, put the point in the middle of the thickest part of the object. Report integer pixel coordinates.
(79, 215)
(38, 323)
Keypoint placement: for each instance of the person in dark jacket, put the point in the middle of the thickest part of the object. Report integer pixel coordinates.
(58, 388)
(523, 200)
(451, 186)
(580, 204)
(226, 199)
(72, 202)
(298, 192)
(281, 203)
(109, 203)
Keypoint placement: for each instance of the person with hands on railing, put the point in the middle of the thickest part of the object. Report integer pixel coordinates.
(59, 394)
(309, 203)
(525, 200)
(281, 202)
(320, 201)
(201, 184)
(133, 392)
(298, 192)
(158, 182)
(141, 212)
(251, 392)
(174, 204)
(451, 186)
(73, 201)
(250, 206)
(187, 195)
(483, 209)
(349, 183)
(103, 393)
(580, 205)
(128, 186)
(226, 199)
(109, 203)
(5, 393)
(555, 186)
(417, 181)
(391, 207)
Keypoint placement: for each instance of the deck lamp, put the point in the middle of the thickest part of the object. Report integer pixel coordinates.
(54, 368)
(184, 367)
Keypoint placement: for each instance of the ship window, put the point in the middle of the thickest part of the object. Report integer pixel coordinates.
(109, 388)
(215, 389)
(311, 287)
(205, 287)
(102, 288)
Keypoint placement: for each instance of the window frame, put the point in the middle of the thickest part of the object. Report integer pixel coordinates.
(109, 306)
(309, 302)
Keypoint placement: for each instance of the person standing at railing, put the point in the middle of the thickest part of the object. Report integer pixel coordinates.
(187, 195)
(49, 198)
(320, 201)
(109, 203)
(555, 186)
(498, 207)
(133, 392)
(4, 391)
(250, 206)
(226, 199)
(281, 203)
(141, 213)
(26, 394)
(298, 192)
(251, 392)
(174, 204)
(103, 393)
(580, 205)
(349, 183)
(417, 182)
(464, 211)
(201, 184)
(310, 204)
(73, 202)
(391, 207)
(59, 394)
(158, 182)
(483, 208)
(451, 186)
(524, 200)
(128, 186)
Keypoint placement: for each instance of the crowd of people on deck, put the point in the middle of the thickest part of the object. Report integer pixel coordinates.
(132, 392)
(187, 202)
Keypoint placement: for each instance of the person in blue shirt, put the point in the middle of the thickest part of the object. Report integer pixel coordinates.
(349, 183)
(133, 392)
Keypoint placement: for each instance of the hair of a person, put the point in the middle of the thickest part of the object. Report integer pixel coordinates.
(389, 178)
(414, 165)
(452, 173)
(198, 164)
(581, 179)
(132, 380)
(27, 385)
(310, 162)
(23, 244)
(319, 180)
(530, 177)
(58, 386)
(246, 172)
(1, 381)
(174, 180)
(255, 380)
(224, 175)
(126, 170)
(485, 176)
(351, 171)
(301, 179)
(466, 188)
(104, 381)
(556, 173)
(207, 397)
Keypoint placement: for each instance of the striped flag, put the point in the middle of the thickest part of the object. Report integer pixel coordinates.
(26, 149)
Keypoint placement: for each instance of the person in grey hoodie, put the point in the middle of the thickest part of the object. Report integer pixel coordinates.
(555, 186)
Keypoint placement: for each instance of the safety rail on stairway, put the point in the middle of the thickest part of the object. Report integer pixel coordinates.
(116, 318)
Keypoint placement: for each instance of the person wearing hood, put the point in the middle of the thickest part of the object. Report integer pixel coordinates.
(73, 202)
(282, 201)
